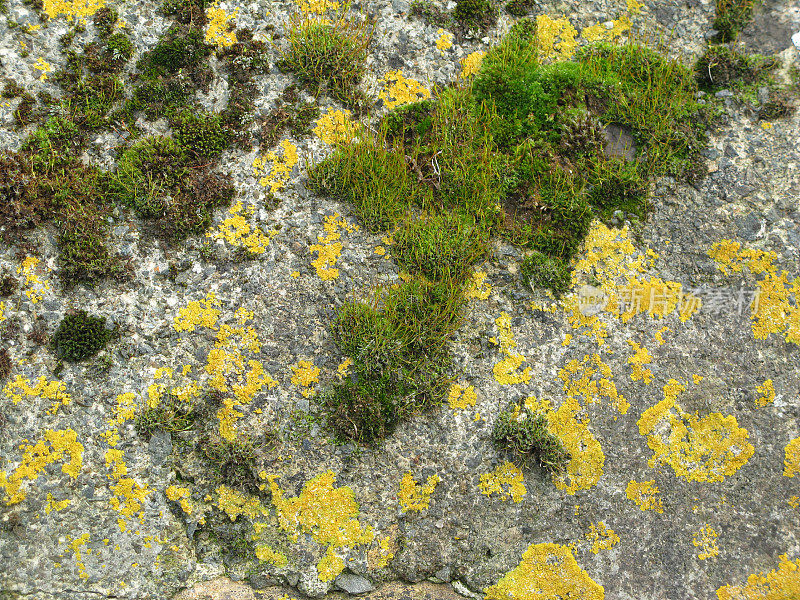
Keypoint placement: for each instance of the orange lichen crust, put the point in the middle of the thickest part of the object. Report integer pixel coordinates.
(707, 448)
(546, 572)
(782, 583)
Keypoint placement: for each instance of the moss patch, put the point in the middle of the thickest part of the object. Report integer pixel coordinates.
(80, 336)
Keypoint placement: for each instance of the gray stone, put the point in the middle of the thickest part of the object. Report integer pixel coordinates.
(354, 584)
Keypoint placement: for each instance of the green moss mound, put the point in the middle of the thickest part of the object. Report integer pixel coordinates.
(80, 336)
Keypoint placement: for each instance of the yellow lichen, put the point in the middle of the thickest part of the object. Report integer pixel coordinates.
(659, 335)
(555, 38)
(602, 32)
(329, 247)
(791, 462)
(782, 583)
(36, 287)
(266, 554)
(413, 496)
(305, 375)
(218, 32)
(644, 495)
(601, 536)
(707, 448)
(239, 233)
(336, 127)
(471, 64)
(180, 495)
(43, 67)
(56, 446)
(640, 357)
(234, 503)
(444, 41)
(775, 305)
(399, 89)
(72, 8)
(477, 286)
(317, 7)
(52, 505)
(329, 514)
(461, 396)
(21, 388)
(706, 540)
(546, 572)
(767, 393)
(198, 312)
(506, 372)
(272, 170)
(506, 481)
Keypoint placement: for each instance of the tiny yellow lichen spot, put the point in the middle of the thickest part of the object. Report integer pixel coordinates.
(295, 274)
(644, 494)
(660, 335)
(317, 7)
(53, 505)
(506, 481)
(767, 394)
(506, 372)
(399, 90)
(444, 41)
(460, 396)
(766, 125)
(794, 501)
(791, 462)
(601, 536)
(219, 33)
(471, 64)
(413, 496)
(336, 127)
(546, 572)
(706, 540)
(36, 287)
(329, 247)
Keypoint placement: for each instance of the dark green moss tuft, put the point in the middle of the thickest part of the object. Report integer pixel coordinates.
(475, 15)
(171, 415)
(80, 336)
(732, 16)
(5, 363)
(722, 67)
(430, 13)
(542, 271)
(200, 135)
(525, 435)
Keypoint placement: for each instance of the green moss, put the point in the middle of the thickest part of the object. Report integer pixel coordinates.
(5, 366)
(232, 463)
(723, 67)
(615, 184)
(200, 135)
(180, 48)
(80, 336)
(475, 15)
(525, 435)
(519, 8)
(291, 114)
(442, 246)
(430, 13)
(171, 414)
(732, 16)
(188, 12)
(410, 122)
(542, 271)
(105, 20)
(399, 344)
(328, 57)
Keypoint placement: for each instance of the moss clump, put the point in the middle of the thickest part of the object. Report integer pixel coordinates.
(171, 414)
(519, 8)
(201, 136)
(440, 247)
(520, 153)
(399, 346)
(542, 271)
(732, 16)
(5, 363)
(723, 67)
(430, 13)
(80, 336)
(161, 180)
(233, 463)
(328, 57)
(525, 435)
(475, 15)
(291, 114)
